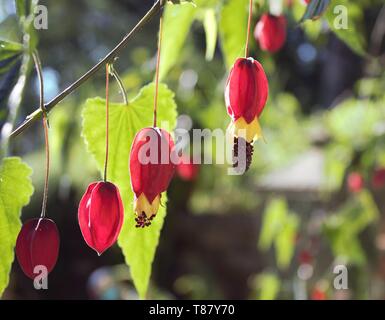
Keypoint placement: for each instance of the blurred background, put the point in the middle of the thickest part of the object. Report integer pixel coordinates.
(314, 197)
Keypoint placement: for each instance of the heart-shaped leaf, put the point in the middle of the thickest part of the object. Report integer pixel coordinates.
(15, 191)
(138, 245)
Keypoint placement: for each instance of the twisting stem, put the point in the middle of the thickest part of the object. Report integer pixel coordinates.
(157, 67)
(115, 74)
(107, 120)
(248, 28)
(37, 114)
(39, 71)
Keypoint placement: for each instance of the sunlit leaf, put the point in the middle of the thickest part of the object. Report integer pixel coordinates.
(344, 227)
(346, 20)
(267, 285)
(275, 214)
(9, 49)
(211, 31)
(177, 23)
(285, 241)
(15, 191)
(233, 29)
(138, 245)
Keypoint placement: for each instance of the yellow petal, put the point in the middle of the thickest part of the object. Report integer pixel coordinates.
(249, 131)
(142, 204)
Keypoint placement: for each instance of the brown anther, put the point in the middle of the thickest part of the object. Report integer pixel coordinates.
(245, 148)
(142, 220)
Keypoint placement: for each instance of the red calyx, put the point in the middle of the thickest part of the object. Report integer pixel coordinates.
(355, 182)
(246, 90)
(151, 169)
(270, 32)
(378, 179)
(37, 244)
(100, 215)
(187, 170)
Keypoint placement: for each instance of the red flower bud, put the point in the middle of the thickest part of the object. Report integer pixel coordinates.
(100, 215)
(246, 94)
(37, 245)
(151, 170)
(187, 170)
(355, 182)
(318, 294)
(246, 90)
(378, 179)
(270, 32)
(305, 257)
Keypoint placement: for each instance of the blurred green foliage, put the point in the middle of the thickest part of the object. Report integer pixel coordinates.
(201, 42)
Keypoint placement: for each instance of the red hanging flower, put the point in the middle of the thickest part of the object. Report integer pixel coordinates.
(37, 245)
(270, 32)
(151, 169)
(187, 170)
(378, 179)
(355, 182)
(246, 94)
(100, 215)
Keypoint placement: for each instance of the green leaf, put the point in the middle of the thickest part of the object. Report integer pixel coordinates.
(8, 49)
(344, 227)
(315, 9)
(211, 31)
(22, 7)
(233, 29)
(180, 1)
(268, 286)
(25, 7)
(15, 191)
(138, 245)
(285, 241)
(280, 227)
(353, 122)
(275, 214)
(352, 32)
(10, 30)
(176, 27)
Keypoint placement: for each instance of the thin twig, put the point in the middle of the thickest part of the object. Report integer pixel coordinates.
(37, 114)
(157, 68)
(107, 120)
(39, 71)
(248, 28)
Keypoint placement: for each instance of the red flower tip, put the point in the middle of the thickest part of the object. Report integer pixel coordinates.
(378, 179)
(187, 170)
(100, 215)
(246, 90)
(270, 32)
(151, 169)
(355, 182)
(37, 245)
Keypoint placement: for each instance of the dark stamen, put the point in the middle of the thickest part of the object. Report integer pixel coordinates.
(142, 220)
(241, 146)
